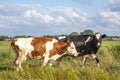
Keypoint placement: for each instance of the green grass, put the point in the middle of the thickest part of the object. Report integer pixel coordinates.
(69, 69)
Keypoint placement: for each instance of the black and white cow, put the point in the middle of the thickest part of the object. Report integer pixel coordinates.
(87, 45)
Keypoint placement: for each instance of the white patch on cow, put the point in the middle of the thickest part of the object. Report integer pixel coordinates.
(72, 50)
(87, 40)
(25, 45)
(98, 36)
(49, 46)
(61, 37)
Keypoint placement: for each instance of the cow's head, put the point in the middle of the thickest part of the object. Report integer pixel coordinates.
(72, 50)
(97, 39)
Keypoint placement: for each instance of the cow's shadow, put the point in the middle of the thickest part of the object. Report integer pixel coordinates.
(6, 69)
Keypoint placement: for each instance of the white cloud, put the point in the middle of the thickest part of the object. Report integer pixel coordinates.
(113, 5)
(48, 18)
(22, 18)
(111, 17)
(61, 19)
(37, 19)
(57, 15)
(108, 19)
(44, 18)
(111, 14)
(74, 14)
(2, 25)
(28, 14)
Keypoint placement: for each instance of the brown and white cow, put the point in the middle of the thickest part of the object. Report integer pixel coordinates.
(49, 48)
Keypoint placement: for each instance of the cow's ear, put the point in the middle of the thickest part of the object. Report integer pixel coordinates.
(104, 35)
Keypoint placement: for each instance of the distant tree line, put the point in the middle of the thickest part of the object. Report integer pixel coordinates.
(3, 37)
(22, 36)
(85, 32)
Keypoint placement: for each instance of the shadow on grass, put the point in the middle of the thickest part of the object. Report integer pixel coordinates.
(6, 69)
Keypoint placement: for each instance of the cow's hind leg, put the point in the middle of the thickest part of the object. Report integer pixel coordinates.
(18, 64)
(19, 60)
(84, 60)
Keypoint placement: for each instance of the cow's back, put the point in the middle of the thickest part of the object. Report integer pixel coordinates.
(39, 44)
(79, 41)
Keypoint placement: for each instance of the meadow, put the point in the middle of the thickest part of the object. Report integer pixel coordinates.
(69, 69)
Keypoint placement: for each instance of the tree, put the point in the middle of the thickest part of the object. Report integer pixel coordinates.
(2, 38)
(74, 34)
(87, 32)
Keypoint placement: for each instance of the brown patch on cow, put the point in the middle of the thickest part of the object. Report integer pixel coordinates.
(39, 45)
(59, 48)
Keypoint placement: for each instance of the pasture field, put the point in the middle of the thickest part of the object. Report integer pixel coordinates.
(69, 69)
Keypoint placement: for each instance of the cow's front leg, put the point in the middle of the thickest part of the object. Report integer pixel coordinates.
(97, 60)
(46, 59)
(94, 56)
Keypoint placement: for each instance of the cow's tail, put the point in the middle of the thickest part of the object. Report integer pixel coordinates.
(10, 48)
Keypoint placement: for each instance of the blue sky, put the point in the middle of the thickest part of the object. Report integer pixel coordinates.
(52, 17)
